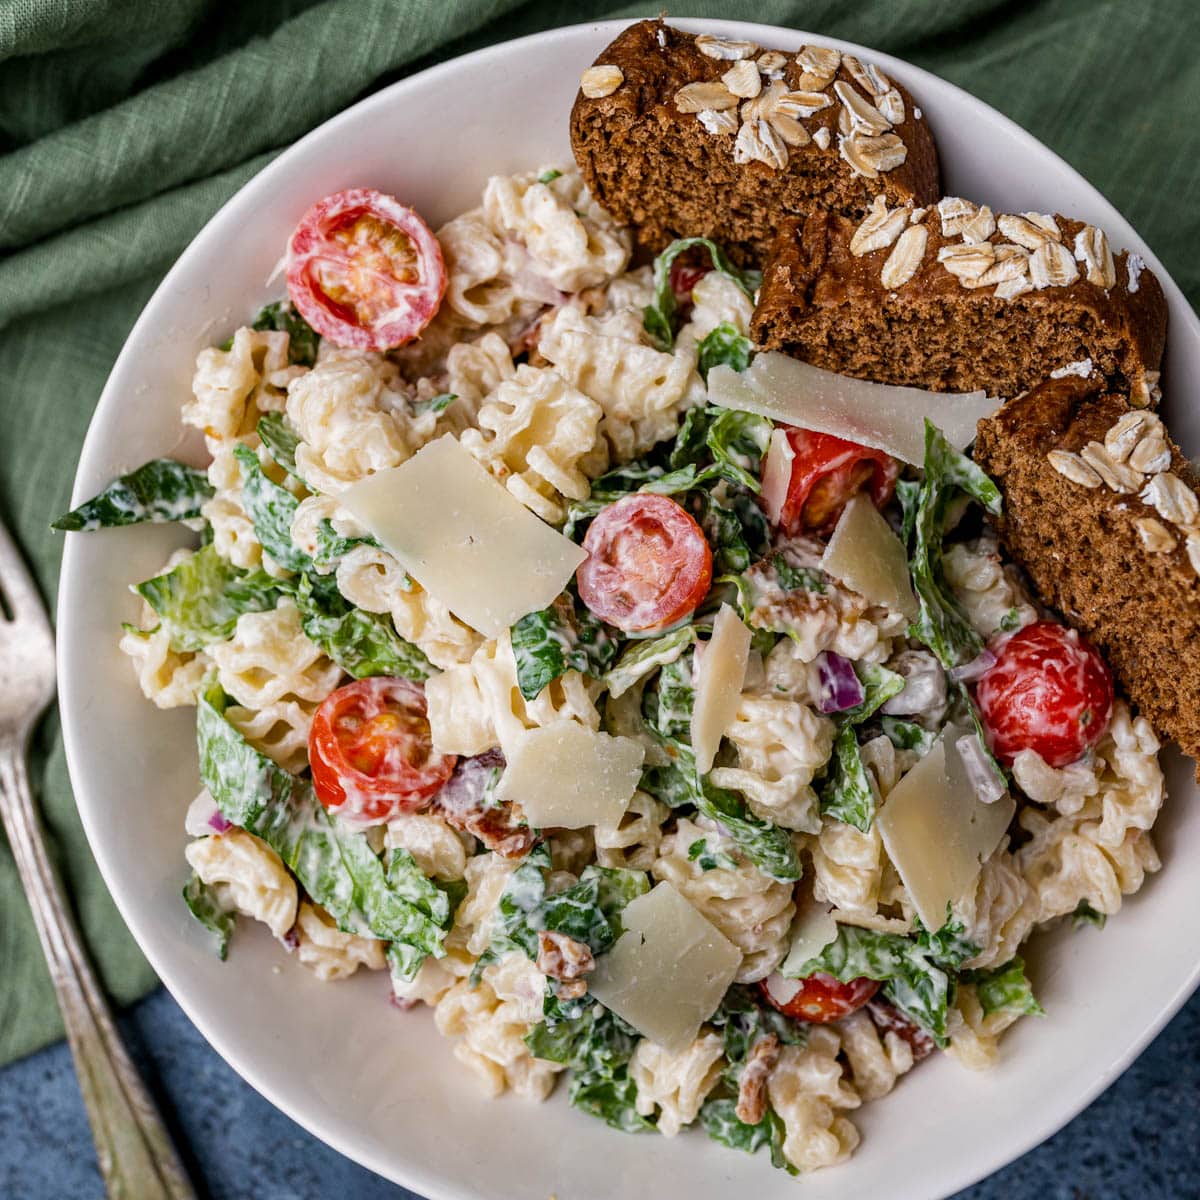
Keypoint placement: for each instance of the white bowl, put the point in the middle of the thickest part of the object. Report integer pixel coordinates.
(380, 1085)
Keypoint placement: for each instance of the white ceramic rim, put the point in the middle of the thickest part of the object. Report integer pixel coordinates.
(989, 1159)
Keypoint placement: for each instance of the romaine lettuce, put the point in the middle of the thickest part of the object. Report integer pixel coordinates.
(159, 491)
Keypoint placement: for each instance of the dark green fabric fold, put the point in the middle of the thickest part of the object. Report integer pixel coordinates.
(124, 124)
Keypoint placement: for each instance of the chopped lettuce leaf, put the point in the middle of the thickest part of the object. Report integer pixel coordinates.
(435, 404)
(159, 491)
(549, 176)
(270, 508)
(724, 346)
(719, 1118)
(564, 637)
(596, 1045)
(798, 579)
(1005, 989)
(1085, 914)
(361, 643)
(588, 911)
(907, 735)
(303, 340)
(848, 793)
(727, 444)
(212, 911)
(913, 978)
(279, 436)
(710, 859)
(332, 546)
(658, 318)
(200, 600)
(643, 658)
(334, 865)
(943, 625)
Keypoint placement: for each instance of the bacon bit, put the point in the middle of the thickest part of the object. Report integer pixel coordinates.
(460, 803)
(889, 1019)
(575, 990)
(562, 957)
(752, 1087)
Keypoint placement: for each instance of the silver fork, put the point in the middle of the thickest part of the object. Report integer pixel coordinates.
(137, 1159)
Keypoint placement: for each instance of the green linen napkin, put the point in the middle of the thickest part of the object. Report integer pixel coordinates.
(124, 124)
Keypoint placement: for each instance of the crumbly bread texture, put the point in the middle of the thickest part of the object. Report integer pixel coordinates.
(955, 297)
(1120, 565)
(799, 131)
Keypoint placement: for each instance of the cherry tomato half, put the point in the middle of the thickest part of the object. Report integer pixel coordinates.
(648, 564)
(1049, 691)
(365, 271)
(818, 999)
(827, 472)
(371, 751)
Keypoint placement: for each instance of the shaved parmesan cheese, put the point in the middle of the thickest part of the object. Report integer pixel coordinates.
(873, 414)
(463, 537)
(782, 990)
(720, 673)
(937, 832)
(812, 930)
(668, 971)
(567, 775)
(777, 474)
(869, 558)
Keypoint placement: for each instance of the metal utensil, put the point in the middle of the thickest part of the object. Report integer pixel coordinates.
(137, 1159)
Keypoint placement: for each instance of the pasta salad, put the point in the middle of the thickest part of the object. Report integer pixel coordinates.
(718, 764)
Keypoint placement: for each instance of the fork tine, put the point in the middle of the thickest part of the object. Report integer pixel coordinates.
(17, 584)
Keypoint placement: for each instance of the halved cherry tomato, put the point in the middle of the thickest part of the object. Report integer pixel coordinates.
(827, 472)
(820, 998)
(648, 564)
(365, 271)
(1049, 691)
(371, 751)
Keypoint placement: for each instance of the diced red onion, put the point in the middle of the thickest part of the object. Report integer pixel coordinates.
(983, 662)
(841, 688)
(218, 823)
(987, 783)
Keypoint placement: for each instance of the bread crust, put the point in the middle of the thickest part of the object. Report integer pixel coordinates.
(822, 303)
(662, 172)
(1081, 548)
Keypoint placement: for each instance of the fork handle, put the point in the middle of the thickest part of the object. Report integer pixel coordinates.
(137, 1158)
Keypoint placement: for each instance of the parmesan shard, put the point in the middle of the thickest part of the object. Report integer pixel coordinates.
(568, 776)
(463, 537)
(870, 559)
(812, 930)
(937, 832)
(668, 971)
(720, 675)
(880, 415)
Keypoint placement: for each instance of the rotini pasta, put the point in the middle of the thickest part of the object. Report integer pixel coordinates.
(752, 910)
(329, 952)
(232, 388)
(633, 841)
(439, 850)
(780, 745)
(538, 436)
(990, 592)
(641, 390)
(248, 875)
(810, 1092)
(490, 1021)
(876, 1061)
(374, 581)
(478, 706)
(277, 677)
(676, 1085)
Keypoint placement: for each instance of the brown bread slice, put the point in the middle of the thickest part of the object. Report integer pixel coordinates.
(660, 169)
(896, 314)
(1136, 595)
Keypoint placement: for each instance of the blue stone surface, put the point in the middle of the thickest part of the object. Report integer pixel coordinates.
(1141, 1139)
